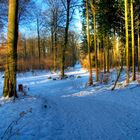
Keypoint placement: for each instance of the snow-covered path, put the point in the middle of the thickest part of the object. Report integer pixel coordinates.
(74, 112)
(89, 118)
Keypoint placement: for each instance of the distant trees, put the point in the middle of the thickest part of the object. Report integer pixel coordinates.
(60, 14)
(2, 13)
(38, 29)
(50, 32)
(56, 22)
(55, 13)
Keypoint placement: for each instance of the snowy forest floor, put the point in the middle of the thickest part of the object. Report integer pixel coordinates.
(66, 109)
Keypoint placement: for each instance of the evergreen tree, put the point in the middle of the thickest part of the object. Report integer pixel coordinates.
(127, 40)
(133, 43)
(90, 81)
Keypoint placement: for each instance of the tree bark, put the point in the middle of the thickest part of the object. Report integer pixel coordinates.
(55, 41)
(138, 50)
(118, 76)
(90, 81)
(95, 38)
(54, 52)
(127, 41)
(107, 55)
(66, 40)
(133, 43)
(11, 67)
(38, 41)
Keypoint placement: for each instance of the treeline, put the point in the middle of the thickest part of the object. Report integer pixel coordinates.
(111, 36)
(28, 54)
(47, 41)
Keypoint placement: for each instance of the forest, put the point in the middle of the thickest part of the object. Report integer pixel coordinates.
(69, 69)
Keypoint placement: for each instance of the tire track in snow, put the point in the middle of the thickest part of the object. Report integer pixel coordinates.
(85, 118)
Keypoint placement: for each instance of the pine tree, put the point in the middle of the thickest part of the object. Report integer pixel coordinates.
(90, 81)
(133, 43)
(127, 40)
(93, 8)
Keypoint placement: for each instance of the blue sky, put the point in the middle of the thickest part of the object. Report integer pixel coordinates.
(74, 25)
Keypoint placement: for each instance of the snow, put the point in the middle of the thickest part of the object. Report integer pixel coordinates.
(67, 109)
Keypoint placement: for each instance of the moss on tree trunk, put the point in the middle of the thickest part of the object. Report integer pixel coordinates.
(11, 68)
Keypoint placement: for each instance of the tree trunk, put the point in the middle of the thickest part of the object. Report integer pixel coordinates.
(104, 54)
(118, 76)
(25, 56)
(66, 40)
(38, 41)
(54, 52)
(127, 41)
(55, 41)
(95, 38)
(11, 68)
(90, 81)
(138, 50)
(133, 44)
(107, 55)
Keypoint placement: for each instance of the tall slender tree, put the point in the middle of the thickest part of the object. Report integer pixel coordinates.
(138, 50)
(93, 8)
(133, 43)
(11, 67)
(138, 32)
(127, 40)
(65, 38)
(38, 39)
(90, 81)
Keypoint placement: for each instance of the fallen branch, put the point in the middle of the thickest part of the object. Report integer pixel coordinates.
(118, 76)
